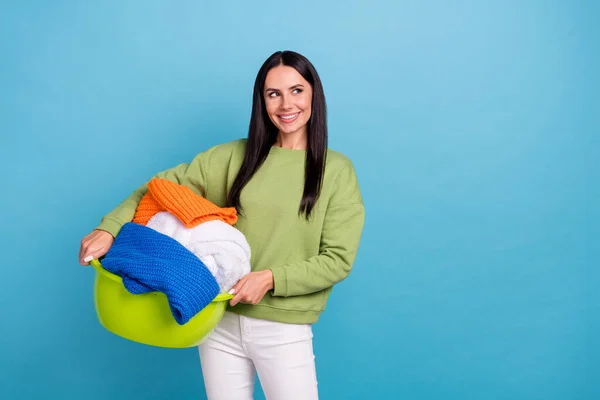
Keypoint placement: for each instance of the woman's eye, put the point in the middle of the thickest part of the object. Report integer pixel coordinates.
(273, 94)
(297, 91)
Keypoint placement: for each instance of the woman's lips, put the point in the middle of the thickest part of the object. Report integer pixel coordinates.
(288, 118)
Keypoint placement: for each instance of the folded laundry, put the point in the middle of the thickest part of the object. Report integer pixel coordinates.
(221, 247)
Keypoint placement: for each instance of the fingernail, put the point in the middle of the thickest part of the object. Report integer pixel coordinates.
(232, 291)
(88, 259)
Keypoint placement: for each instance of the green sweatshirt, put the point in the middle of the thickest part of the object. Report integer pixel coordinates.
(307, 258)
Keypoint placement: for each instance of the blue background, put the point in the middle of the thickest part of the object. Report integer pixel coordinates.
(474, 130)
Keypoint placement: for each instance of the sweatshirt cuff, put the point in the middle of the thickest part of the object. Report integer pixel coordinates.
(111, 226)
(280, 286)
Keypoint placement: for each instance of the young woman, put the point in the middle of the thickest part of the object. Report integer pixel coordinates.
(300, 209)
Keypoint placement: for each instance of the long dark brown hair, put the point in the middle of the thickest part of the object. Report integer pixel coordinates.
(262, 133)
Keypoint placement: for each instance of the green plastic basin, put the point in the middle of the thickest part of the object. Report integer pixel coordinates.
(146, 318)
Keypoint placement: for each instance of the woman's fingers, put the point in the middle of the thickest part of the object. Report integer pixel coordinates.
(237, 286)
(252, 288)
(239, 292)
(84, 250)
(94, 245)
(93, 254)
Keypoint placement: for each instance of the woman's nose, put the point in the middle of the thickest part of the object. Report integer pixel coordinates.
(286, 102)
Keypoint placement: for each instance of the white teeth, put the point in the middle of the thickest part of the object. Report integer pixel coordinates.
(289, 116)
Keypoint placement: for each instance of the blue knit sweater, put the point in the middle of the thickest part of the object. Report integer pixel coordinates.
(150, 261)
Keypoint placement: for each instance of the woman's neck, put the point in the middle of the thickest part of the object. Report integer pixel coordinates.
(294, 141)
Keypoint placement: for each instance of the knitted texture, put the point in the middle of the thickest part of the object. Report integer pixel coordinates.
(150, 261)
(190, 208)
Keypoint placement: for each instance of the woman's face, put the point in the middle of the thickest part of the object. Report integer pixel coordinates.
(288, 98)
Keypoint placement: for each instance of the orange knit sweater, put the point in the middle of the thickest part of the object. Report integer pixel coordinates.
(190, 208)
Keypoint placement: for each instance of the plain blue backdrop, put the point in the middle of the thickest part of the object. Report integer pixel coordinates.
(473, 127)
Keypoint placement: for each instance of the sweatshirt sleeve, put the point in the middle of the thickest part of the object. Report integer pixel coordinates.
(191, 174)
(340, 237)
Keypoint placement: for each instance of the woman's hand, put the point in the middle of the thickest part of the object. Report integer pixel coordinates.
(94, 245)
(252, 287)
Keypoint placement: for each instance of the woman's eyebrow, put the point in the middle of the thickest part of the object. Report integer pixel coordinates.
(299, 85)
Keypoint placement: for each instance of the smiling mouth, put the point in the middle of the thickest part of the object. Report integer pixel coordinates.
(289, 118)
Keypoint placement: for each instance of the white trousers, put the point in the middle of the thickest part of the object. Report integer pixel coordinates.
(241, 347)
